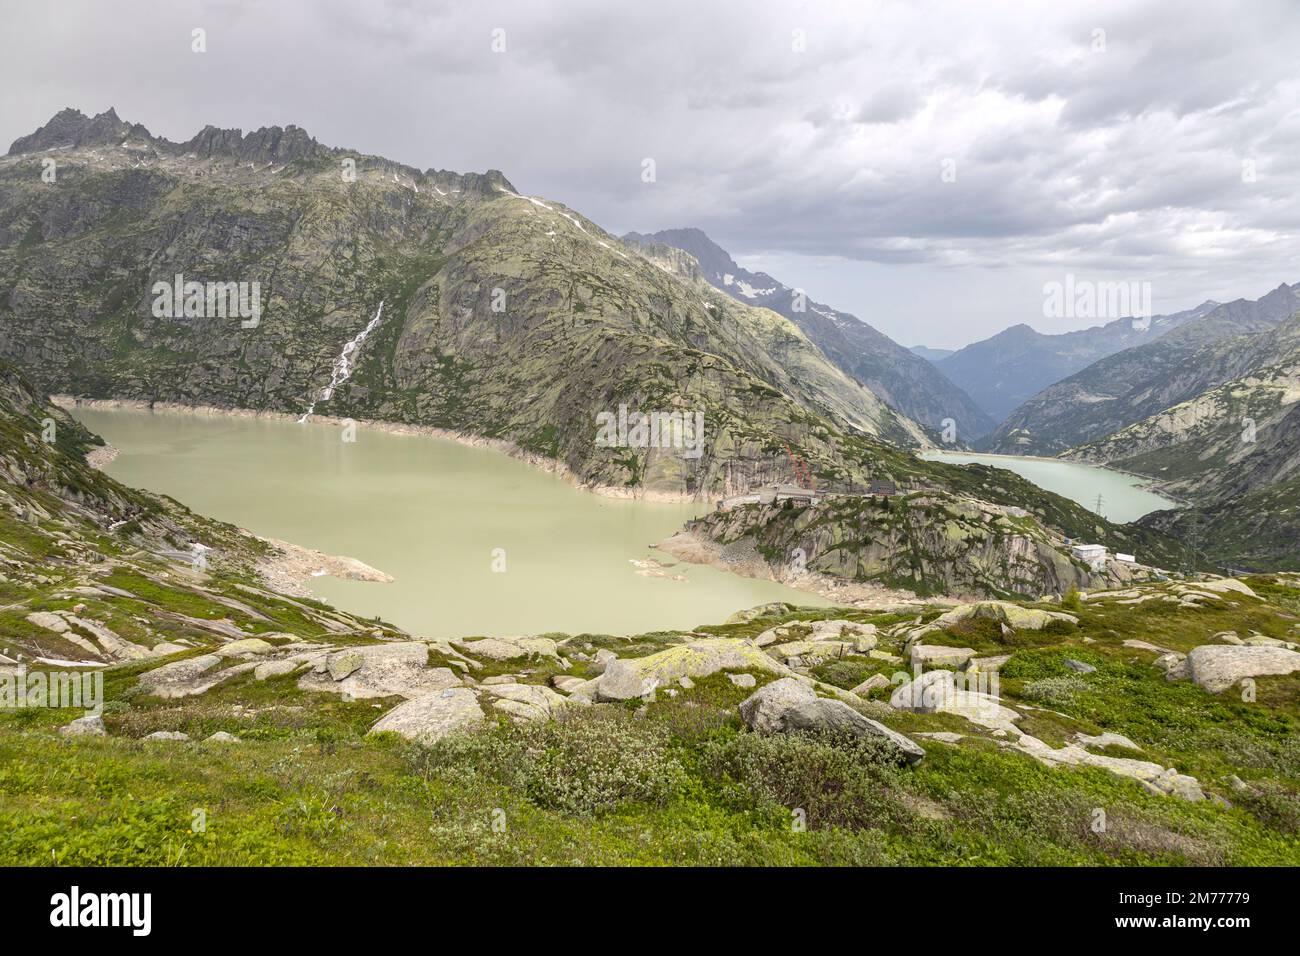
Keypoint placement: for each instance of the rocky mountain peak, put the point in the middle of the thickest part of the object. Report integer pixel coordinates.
(487, 183)
(713, 259)
(71, 127)
(273, 144)
(1284, 296)
(266, 146)
(899, 377)
(270, 144)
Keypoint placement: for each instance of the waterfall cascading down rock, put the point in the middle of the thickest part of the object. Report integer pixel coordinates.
(343, 368)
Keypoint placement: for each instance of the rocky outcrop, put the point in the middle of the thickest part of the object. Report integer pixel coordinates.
(874, 682)
(185, 678)
(862, 637)
(1164, 781)
(1217, 667)
(244, 646)
(788, 705)
(939, 692)
(100, 642)
(528, 702)
(933, 655)
(399, 669)
(88, 726)
(926, 542)
(269, 669)
(1011, 617)
(1004, 612)
(812, 653)
(509, 648)
(635, 677)
(428, 719)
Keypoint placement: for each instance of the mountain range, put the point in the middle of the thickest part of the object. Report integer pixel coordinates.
(443, 300)
(453, 302)
(903, 379)
(1169, 398)
(1232, 451)
(1128, 386)
(1006, 370)
(502, 314)
(1232, 435)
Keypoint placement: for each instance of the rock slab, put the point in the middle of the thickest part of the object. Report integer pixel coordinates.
(788, 705)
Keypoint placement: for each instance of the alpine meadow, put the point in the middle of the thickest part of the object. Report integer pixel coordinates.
(752, 436)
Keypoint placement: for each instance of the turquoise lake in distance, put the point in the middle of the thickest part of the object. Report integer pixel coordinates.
(1123, 498)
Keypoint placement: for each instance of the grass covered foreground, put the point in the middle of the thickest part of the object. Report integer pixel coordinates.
(680, 780)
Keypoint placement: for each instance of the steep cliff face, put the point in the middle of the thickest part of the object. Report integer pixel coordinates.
(505, 316)
(905, 380)
(930, 543)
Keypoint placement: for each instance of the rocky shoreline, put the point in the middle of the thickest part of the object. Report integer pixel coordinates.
(290, 566)
(101, 456)
(548, 465)
(694, 548)
(288, 570)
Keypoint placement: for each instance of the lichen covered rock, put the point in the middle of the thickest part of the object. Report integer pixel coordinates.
(788, 705)
(430, 718)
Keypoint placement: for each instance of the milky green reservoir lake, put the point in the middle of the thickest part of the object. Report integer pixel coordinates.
(430, 512)
(1122, 497)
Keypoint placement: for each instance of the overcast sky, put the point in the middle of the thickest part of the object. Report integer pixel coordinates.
(809, 139)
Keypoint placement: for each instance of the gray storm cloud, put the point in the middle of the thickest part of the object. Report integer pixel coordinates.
(806, 135)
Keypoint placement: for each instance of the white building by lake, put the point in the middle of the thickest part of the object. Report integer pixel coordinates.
(1093, 555)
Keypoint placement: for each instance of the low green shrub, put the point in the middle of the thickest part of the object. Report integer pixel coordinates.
(1274, 805)
(836, 780)
(845, 673)
(1071, 600)
(591, 762)
(1054, 690)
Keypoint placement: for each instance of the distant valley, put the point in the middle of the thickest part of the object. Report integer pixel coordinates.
(1128, 386)
(1005, 371)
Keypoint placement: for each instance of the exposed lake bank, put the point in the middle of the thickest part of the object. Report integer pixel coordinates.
(548, 465)
(476, 542)
(694, 548)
